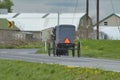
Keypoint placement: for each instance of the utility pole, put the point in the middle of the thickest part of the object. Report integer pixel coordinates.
(87, 15)
(97, 19)
(87, 8)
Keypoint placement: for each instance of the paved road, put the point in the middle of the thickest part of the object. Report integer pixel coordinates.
(28, 55)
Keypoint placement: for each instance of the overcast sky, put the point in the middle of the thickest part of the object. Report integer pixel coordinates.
(106, 6)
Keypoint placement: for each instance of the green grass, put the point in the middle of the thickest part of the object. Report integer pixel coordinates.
(97, 48)
(89, 48)
(24, 45)
(4, 25)
(101, 48)
(18, 70)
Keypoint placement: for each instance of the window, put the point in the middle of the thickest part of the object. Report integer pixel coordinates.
(105, 23)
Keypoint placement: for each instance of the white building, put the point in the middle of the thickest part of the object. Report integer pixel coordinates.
(109, 27)
(33, 22)
(109, 33)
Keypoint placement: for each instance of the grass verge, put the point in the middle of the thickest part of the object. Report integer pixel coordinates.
(97, 48)
(18, 70)
(101, 48)
(89, 48)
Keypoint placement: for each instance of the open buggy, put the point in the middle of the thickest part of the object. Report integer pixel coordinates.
(63, 40)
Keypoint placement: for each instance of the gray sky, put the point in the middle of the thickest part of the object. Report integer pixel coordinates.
(106, 6)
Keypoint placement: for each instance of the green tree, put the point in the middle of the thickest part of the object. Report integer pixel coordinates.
(6, 4)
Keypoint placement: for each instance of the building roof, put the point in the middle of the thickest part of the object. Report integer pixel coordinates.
(8, 15)
(41, 21)
(31, 15)
(112, 32)
(118, 15)
(64, 18)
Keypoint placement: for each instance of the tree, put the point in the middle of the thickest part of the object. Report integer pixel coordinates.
(6, 4)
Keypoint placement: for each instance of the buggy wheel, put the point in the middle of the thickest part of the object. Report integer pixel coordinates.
(66, 52)
(54, 49)
(78, 49)
(73, 51)
(57, 52)
(49, 49)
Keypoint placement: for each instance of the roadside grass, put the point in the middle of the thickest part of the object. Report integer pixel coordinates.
(101, 48)
(19, 70)
(108, 49)
(23, 45)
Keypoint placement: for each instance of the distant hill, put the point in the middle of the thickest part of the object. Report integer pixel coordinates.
(5, 25)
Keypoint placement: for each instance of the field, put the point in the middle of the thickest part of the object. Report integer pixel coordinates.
(18, 70)
(89, 48)
(109, 49)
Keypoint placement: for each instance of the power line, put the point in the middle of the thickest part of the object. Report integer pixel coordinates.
(75, 9)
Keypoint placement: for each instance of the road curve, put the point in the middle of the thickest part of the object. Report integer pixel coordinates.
(28, 55)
